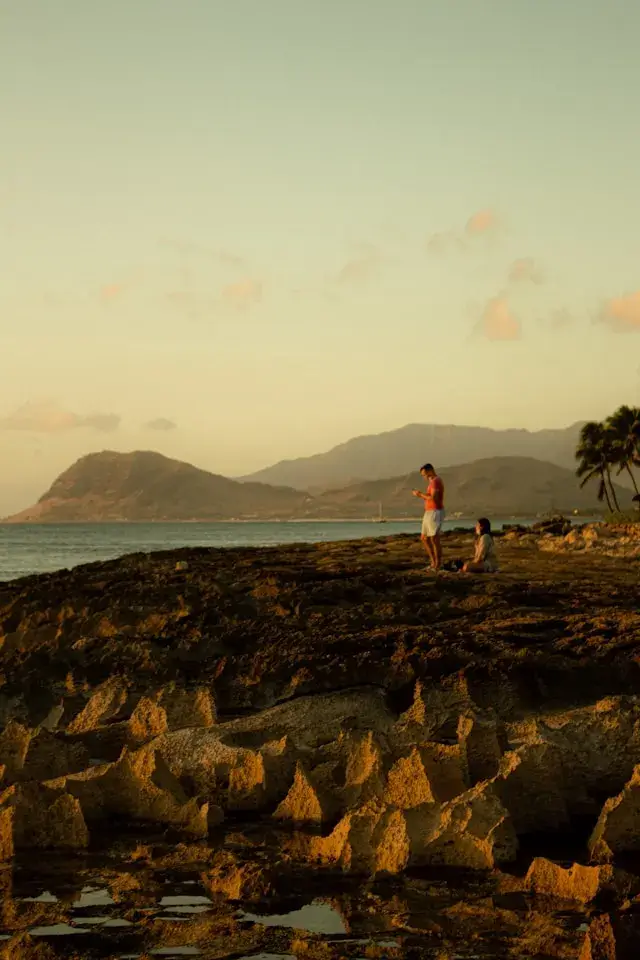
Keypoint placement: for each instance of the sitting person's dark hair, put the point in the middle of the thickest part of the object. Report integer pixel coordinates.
(484, 526)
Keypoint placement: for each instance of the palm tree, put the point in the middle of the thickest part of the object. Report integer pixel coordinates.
(594, 455)
(624, 429)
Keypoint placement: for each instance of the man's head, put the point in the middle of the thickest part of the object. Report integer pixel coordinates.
(427, 470)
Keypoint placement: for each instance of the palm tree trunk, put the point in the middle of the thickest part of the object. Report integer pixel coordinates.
(605, 490)
(633, 479)
(613, 490)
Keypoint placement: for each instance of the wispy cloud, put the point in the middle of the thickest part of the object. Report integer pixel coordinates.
(244, 293)
(231, 259)
(226, 257)
(360, 268)
(622, 314)
(112, 291)
(525, 270)
(161, 424)
(440, 244)
(46, 416)
(116, 289)
(498, 321)
(480, 224)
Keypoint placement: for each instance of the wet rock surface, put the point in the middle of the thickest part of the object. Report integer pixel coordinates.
(324, 750)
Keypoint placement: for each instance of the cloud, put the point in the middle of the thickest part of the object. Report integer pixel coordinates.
(498, 322)
(622, 314)
(360, 268)
(525, 270)
(442, 243)
(161, 424)
(484, 221)
(225, 257)
(244, 293)
(231, 259)
(103, 422)
(111, 292)
(480, 224)
(355, 271)
(48, 417)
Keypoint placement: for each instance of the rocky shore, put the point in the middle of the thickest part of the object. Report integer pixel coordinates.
(324, 751)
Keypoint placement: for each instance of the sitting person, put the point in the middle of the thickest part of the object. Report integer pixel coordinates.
(484, 558)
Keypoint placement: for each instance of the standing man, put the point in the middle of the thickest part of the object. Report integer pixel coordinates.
(433, 514)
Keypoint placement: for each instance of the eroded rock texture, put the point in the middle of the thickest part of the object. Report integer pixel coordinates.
(366, 719)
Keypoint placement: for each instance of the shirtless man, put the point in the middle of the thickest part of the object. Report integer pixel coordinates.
(433, 514)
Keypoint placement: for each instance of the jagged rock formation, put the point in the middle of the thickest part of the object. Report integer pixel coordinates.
(372, 719)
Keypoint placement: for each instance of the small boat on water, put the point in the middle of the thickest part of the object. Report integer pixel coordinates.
(379, 518)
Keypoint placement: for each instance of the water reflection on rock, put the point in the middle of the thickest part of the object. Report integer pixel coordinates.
(112, 904)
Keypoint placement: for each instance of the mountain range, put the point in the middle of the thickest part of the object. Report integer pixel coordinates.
(396, 452)
(146, 486)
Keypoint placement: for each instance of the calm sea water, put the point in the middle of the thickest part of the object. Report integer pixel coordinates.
(30, 548)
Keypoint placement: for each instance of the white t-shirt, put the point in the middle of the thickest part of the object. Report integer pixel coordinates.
(486, 553)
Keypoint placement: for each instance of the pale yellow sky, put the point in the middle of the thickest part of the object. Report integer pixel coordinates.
(237, 232)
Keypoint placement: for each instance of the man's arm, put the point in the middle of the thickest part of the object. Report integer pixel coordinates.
(436, 492)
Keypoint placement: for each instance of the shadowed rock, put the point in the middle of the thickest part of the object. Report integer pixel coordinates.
(40, 816)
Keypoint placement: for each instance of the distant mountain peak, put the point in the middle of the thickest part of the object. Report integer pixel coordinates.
(376, 456)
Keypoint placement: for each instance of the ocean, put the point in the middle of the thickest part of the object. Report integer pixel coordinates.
(31, 548)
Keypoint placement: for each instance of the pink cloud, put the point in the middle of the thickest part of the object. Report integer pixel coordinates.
(111, 292)
(622, 314)
(525, 270)
(244, 293)
(481, 222)
(498, 322)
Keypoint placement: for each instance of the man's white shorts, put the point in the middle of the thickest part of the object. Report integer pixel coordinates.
(432, 522)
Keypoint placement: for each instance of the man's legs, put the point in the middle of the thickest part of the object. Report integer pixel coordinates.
(428, 546)
(437, 551)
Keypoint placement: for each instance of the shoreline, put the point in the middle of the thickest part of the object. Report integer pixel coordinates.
(471, 519)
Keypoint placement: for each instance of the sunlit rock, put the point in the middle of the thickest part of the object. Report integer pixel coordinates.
(575, 883)
(618, 827)
(104, 703)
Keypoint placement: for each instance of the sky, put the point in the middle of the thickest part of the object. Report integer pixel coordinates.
(237, 231)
